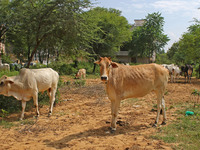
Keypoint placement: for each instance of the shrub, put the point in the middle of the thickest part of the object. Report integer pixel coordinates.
(67, 69)
(79, 83)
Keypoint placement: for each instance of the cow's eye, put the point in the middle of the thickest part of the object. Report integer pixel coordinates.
(1, 83)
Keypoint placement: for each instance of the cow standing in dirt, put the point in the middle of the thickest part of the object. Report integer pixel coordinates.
(27, 85)
(187, 70)
(124, 82)
(81, 74)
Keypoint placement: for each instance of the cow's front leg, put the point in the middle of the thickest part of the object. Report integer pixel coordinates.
(114, 112)
(23, 109)
(35, 99)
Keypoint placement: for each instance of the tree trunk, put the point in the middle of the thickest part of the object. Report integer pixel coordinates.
(94, 68)
(32, 54)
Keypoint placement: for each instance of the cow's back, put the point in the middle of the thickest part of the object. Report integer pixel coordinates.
(136, 81)
(46, 78)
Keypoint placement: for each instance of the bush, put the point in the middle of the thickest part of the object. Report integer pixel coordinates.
(67, 69)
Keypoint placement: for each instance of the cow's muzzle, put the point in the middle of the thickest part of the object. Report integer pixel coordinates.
(104, 78)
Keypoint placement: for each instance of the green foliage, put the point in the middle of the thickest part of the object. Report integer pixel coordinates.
(9, 104)
(9, 73)
(5, 59)
(111, 32)
(162, 59)
(6, 124)
(195, 92)
(49, 26)
(187, 49)
(79, 83)
(4, 113)
(148, 38)
(64, 68)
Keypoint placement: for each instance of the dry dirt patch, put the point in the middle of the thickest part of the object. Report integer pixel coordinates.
(82, 118)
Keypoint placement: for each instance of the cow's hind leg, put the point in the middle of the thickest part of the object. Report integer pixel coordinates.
(164, 112)
(160, 104)
(23, 109)
(35, 99)
(115, 104)
(52, 94)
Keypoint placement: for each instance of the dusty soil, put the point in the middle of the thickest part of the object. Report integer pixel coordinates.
(82, 119)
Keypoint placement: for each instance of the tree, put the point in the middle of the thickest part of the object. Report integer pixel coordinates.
(189, 45)
(172, 50)
(113, 30)
(44, 19)
(148, 38)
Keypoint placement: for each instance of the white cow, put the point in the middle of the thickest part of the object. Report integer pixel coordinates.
(28, 83)
(4, 67)
(174, 71)
(81, 73)
(124, 82)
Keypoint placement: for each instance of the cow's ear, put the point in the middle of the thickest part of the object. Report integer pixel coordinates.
(97, 62)
(109, 58)
(114, 65)
(8, 80)
(3, 77)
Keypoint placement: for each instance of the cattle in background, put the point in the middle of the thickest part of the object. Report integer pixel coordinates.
(124, 82)
(187, 70)
(4, 67)
(174, 71)
(81, 74)
(28, 83)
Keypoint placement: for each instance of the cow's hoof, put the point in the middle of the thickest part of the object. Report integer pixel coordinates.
(49, 115)
(154, 125)
(163, 123)
(37, 116)
(20, 119)
(112, 130)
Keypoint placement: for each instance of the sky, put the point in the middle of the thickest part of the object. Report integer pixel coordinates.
(178, 14)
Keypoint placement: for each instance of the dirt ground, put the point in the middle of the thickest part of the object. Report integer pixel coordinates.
(82, 119)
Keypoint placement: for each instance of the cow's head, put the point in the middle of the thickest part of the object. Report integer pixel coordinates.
(105, 65)
(5, 84)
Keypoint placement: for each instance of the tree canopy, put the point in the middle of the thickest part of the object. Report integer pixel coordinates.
(112, 31)
(187, 49)
(148, 38)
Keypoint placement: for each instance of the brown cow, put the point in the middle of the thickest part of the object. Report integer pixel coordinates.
(124, 82)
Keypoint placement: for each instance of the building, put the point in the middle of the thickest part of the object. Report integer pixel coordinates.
(123, 57)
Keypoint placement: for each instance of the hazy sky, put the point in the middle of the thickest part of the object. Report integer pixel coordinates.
(178, 14)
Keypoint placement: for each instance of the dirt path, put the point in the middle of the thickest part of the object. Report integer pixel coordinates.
(81, 121)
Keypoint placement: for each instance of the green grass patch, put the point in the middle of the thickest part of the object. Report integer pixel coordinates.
(185, 131)
(9, 73)
(6, 124)
(27, 122)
